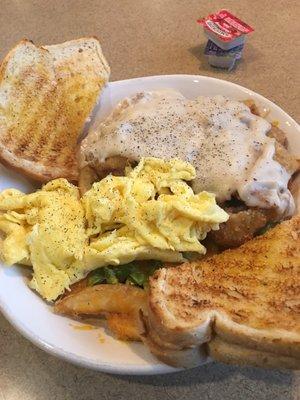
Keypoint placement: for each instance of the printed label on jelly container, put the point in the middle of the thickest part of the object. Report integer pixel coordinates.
(225, 25)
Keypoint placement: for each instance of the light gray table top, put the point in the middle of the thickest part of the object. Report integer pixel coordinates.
(142, 37)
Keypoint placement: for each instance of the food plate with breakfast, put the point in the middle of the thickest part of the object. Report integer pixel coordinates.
(161, 186)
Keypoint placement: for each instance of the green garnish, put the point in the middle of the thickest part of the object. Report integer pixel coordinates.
(138, 278)
(110, 276)
(265, 228)
(132, 274)
(102, 275)
(191, 255)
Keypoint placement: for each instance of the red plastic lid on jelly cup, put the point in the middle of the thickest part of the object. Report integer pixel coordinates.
(225, 25)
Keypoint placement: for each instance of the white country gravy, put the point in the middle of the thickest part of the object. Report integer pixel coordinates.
(225, 142)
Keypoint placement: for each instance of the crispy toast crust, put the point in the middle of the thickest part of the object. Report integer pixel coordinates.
(248, 296)
(230, 353)
(46, 94)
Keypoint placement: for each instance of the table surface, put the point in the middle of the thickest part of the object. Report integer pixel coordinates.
(139, 38)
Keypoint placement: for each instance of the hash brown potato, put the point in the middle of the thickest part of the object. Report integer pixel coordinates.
(126, 327)
(101, 299)
(120, 304)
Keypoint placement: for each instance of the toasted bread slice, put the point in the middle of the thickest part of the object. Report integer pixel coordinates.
(46, 95)
(249, 296)
(230, 353)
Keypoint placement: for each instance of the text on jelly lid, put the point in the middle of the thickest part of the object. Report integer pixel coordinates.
(225, 25)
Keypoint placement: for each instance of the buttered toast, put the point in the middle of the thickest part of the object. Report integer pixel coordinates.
(246, 299)
(46, 95)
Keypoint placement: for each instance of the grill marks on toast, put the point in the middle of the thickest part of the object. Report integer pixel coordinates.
(260, 280)
(46, 94)
(249, 296)
(27, 130)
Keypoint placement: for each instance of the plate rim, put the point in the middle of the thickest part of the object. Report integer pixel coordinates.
(196, 77)
(124, 368)
(116, 369)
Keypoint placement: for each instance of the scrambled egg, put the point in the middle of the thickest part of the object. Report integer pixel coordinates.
(45, 229)
(150, 213)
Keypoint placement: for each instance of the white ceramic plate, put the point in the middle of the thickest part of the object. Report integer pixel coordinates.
(33, 318)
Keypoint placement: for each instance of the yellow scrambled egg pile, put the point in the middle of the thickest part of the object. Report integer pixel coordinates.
(45, 229)
(150, 213)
